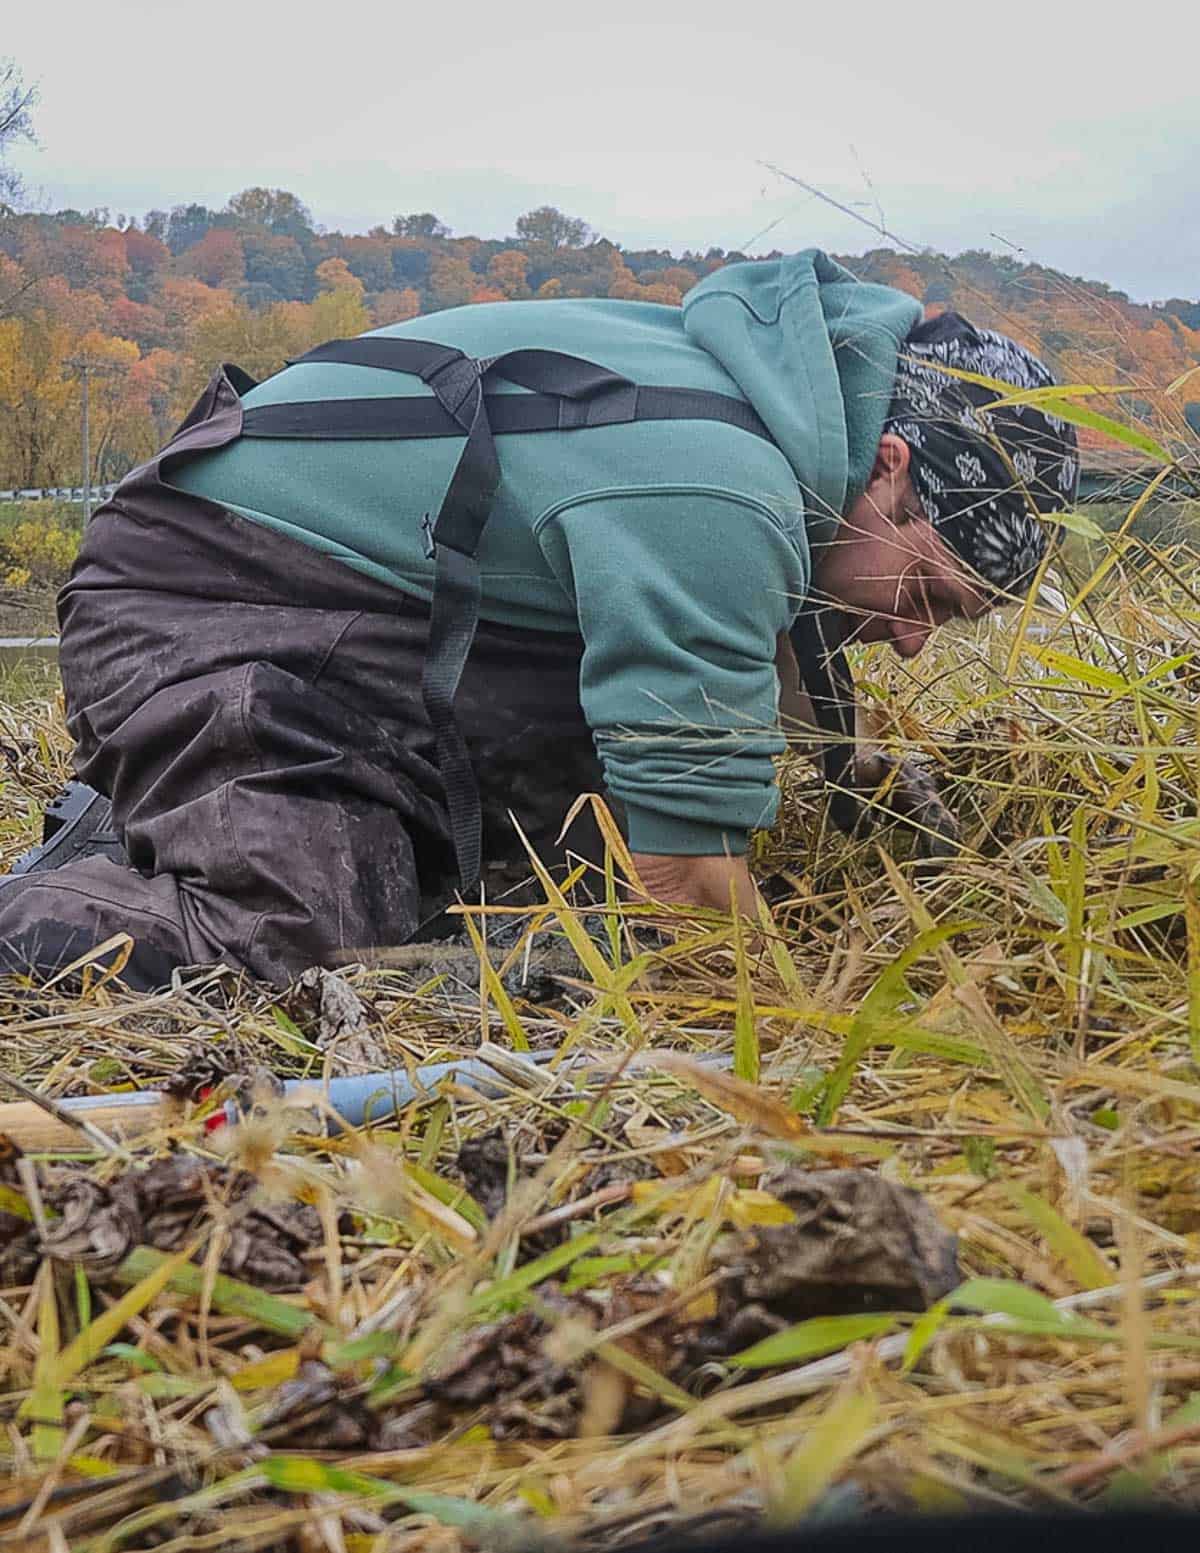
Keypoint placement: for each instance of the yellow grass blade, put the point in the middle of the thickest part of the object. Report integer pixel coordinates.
(1191, 906)
(1077, 1253)
(577, 936)
(831, 1443)
(877, 1008)
(1183, 379)
(737, 1097)
(785, 965)
(609, 831)
(1043, 396)
(924, 1330)
(746, 1057)
(274, 1370)
(121, 942)
(1076, 899)
(1116, 543)
(47, 1402)
(494, 988)
(1066, 410)
(79, 1353)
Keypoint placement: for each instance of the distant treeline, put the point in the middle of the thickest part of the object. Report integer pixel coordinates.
(152, 305)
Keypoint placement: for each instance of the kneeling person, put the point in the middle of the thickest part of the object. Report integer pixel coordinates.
(353, 621)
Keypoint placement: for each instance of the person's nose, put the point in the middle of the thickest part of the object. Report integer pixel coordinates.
(910, 636)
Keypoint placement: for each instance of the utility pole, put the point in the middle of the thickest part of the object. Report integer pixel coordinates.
(87, 451)
(85, 366)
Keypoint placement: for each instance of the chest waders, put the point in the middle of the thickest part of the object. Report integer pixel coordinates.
(566, 393)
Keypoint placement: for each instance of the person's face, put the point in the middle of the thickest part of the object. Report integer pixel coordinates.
(886, 569)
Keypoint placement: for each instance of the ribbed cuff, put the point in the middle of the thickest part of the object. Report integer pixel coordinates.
(669, 836)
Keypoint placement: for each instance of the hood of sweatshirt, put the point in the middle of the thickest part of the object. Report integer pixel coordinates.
(814, 351)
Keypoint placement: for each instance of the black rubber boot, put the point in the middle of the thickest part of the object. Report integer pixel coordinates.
(78, 823)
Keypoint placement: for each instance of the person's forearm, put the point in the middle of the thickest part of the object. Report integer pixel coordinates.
(799, 723)
(698, 881)
(797, 720)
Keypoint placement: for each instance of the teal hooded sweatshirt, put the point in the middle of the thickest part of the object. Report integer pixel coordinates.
(677, 549)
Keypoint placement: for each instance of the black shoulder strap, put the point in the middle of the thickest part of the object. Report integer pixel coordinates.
(827, 679)
(566, 393)
(453, 544)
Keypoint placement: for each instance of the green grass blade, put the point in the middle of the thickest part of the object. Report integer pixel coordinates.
(305, 1475)
(524, 1279)
(870, 1022)
(230, 1296)
(810, 1339)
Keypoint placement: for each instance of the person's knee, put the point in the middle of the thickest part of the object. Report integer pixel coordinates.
(50, 921)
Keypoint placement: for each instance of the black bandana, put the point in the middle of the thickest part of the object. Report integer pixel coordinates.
(977, 497)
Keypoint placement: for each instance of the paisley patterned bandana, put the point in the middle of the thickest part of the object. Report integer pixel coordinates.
(977, 471)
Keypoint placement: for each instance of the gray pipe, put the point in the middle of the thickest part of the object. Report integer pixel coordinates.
(376, 1096)
(356, 1099)
(370, 1097)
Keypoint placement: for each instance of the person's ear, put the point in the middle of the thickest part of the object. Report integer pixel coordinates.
(888, 482)
(892, 459)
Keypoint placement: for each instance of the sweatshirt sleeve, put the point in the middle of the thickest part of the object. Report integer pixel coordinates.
(680, 595)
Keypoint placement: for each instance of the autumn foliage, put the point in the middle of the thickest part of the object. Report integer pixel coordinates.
(155, 306)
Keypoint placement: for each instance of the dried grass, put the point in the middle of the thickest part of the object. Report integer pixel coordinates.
(1017, 1037)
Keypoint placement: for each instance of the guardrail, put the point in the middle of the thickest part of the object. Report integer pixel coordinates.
(16, 649)
(1118, 485)
(60, 493)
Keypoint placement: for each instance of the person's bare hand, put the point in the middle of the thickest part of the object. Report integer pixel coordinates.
(710, 882)
(910, 792)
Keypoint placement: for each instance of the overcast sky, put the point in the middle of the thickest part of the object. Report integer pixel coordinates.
(1035, 128)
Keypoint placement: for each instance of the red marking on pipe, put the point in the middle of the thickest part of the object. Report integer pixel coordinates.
(219, 1117)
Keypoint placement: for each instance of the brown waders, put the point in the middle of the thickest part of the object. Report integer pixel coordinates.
(253, 709)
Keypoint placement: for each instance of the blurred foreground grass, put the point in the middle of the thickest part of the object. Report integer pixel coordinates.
(1017, 1037)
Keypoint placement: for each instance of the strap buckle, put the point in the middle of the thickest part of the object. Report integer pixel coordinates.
(430, 541)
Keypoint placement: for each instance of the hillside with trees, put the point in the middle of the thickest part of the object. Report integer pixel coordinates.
(153, 304)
